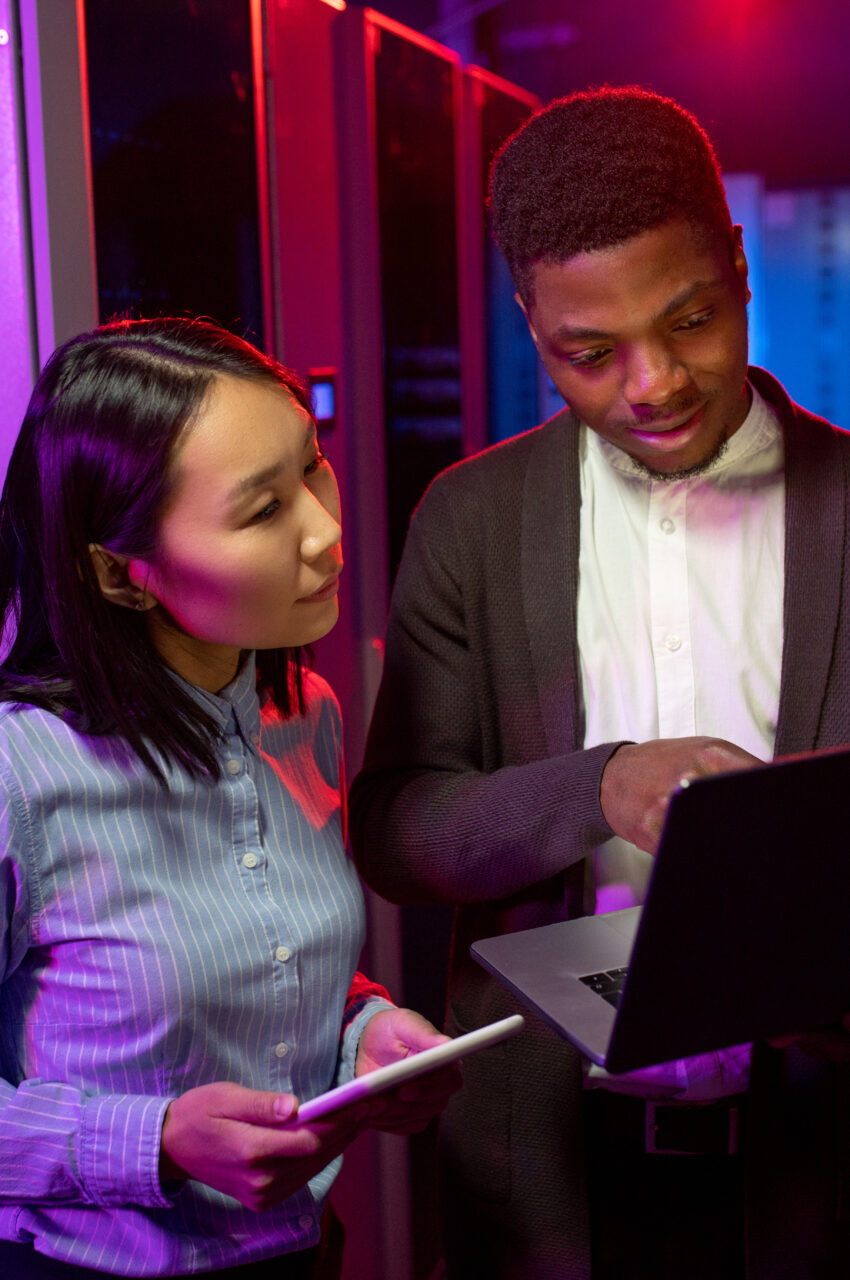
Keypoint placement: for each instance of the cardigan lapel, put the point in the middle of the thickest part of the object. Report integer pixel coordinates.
(814, 546)
(550, 547)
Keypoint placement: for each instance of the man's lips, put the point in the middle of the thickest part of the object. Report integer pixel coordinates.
(669, 437)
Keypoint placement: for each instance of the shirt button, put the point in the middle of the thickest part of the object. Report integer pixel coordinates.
(673, 642)
(282, 953)
(249, 860)
(667, 525)
(255, 738)
(233, 766)
(280, 1051)
(305, 1222)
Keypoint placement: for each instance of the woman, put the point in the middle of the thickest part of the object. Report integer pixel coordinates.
(179, 922)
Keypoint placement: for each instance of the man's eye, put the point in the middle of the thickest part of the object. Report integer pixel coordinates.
(313, 465)
(588, 359)
(695, 322)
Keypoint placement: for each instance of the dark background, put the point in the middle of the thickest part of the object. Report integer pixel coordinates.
(768, 78)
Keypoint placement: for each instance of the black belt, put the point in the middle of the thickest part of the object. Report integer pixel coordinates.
(641, 1125)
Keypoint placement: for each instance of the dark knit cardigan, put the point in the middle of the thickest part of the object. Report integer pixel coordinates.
(476, 791)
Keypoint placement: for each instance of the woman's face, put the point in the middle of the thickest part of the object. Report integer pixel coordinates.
(249, 552)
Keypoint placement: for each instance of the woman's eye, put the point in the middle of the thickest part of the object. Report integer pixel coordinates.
(267, 512)
(313, 465)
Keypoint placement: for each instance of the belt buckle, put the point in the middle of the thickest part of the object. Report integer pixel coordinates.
(651, 1143)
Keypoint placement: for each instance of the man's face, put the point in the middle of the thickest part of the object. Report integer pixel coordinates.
(647, 343)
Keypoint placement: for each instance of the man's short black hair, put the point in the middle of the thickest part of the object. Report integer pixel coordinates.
(596, 168)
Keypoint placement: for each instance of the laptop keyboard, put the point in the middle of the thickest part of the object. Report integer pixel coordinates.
(608, 984)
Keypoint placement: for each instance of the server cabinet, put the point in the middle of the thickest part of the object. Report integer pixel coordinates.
(807, 283)
(179, 160)
(399, 126)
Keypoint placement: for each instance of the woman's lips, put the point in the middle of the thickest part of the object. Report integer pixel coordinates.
(324, 593)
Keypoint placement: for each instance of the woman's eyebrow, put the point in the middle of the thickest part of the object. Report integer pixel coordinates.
(258, 478)
(254, 481)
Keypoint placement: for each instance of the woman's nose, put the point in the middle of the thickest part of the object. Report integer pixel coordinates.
(321, 531)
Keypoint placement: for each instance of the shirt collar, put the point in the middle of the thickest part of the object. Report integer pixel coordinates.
(236, 708)
(756, 438)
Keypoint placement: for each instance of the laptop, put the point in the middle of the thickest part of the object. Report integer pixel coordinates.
(745, 932)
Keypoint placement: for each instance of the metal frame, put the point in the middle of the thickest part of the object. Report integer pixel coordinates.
(473, 232)
(61, 207)
(17, 319)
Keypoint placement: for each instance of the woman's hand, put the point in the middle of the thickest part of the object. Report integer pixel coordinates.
(248, 1144)
(389, 1036)
(238, 1141)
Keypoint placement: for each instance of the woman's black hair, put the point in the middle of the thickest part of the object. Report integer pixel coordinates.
(92, 465)
(596, 168)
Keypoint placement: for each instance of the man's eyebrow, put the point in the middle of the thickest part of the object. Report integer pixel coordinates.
(687, 295)
(578, 333)
(259, 478)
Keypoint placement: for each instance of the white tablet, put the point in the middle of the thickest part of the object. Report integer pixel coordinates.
(418, 1064)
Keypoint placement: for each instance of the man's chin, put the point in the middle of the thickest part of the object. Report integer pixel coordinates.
(697, 468)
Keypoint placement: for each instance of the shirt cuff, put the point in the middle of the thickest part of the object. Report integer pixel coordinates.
(119, 1150)
(352, 1033)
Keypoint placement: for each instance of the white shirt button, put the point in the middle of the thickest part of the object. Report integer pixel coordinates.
(305, 1222)
(667, 525)
(233, 766)
(282, 953)
(673, 642)
(280, 1051)
(249, 860)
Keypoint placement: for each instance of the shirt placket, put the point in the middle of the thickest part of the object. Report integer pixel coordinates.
(251, 862)
(672, 649)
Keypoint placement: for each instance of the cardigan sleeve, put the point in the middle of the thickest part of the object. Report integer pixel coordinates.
(428, 822)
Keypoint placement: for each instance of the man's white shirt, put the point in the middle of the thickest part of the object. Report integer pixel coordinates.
(680, 607)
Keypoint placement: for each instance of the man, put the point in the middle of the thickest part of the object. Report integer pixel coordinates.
(650, 586)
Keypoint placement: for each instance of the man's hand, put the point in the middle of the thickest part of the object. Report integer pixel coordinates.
(639, 780)
(389, 1036)
(236, 1140)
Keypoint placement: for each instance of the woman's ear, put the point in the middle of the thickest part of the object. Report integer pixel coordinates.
(113, 575)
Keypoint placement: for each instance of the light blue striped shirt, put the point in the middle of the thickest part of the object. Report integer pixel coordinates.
(155, 940)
